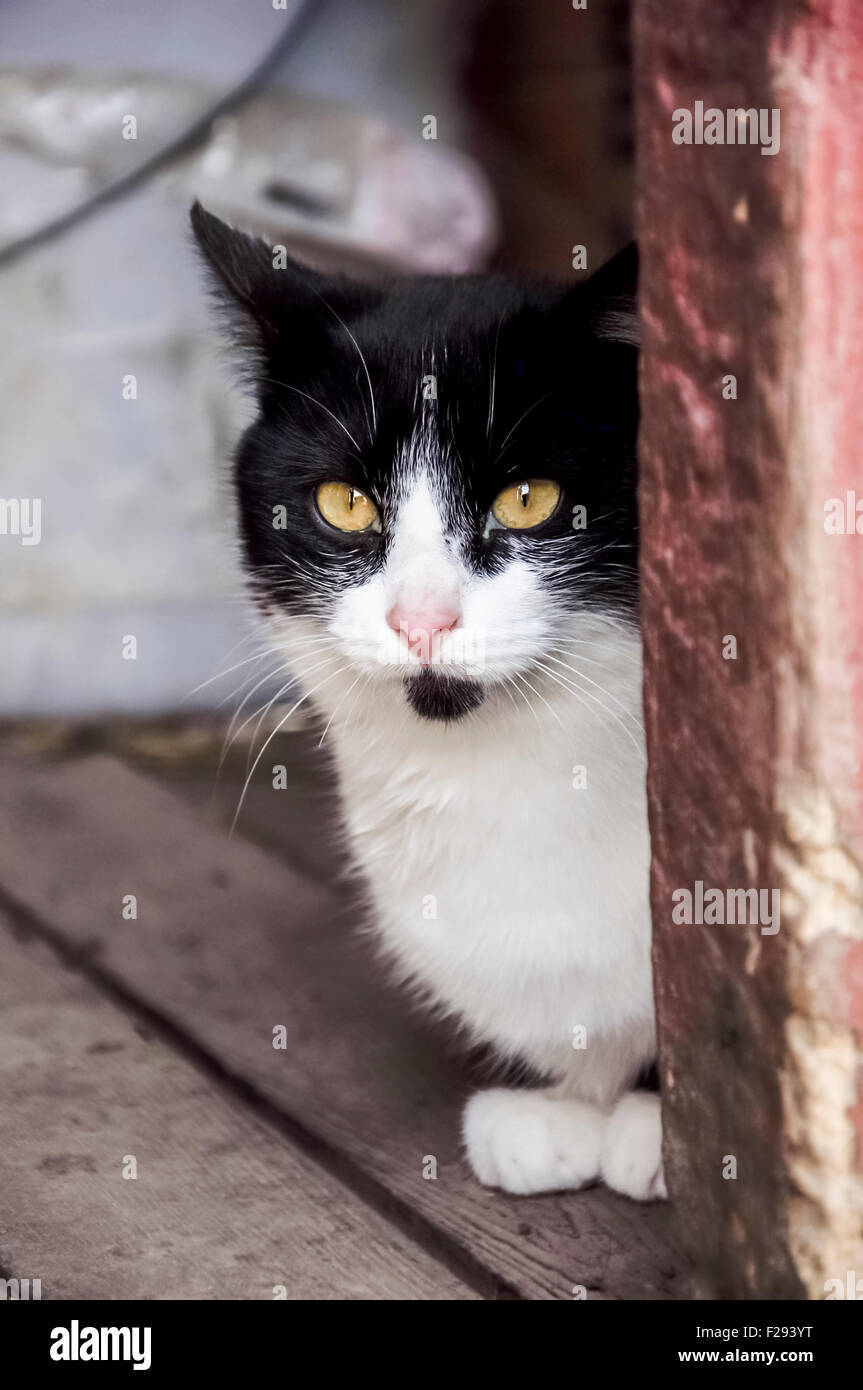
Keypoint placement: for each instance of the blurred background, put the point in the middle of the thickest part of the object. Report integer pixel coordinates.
(440, 135)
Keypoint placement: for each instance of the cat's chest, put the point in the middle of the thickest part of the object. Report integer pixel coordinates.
(495, 835)
(505, 882)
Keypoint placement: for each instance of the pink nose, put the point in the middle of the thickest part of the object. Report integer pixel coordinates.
(417, 625)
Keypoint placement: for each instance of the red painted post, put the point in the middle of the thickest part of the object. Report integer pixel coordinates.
(752, 469)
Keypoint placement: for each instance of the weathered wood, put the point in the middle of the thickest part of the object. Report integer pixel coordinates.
(298, 823)
(230, 944)
(751, 270)
(220, 1207)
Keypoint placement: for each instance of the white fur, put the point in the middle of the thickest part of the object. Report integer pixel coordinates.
(516, 902)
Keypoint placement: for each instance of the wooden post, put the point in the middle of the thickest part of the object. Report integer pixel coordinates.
(751, 454)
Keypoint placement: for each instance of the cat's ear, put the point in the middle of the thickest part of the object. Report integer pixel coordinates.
(610, 299)
(242, 273)
(273, 304)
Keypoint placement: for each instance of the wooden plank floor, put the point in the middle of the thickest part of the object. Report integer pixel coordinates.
(216, 1206)
(314, 1153)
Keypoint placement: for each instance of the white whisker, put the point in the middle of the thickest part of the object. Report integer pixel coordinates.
(269, 740)
(262, 710)
(518, 422)
(551, 711)
(493, 382)
(338, 707)
(228, 741)
(307, 397)
(605, 691)
(512, 679)
(228, 669)
(374, 424)
(569, 684)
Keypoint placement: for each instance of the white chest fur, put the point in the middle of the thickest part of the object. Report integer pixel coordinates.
(507, 859)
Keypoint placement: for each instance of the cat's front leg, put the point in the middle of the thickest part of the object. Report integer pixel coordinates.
(533, 1141)
(544, 1140)
(631, 1159)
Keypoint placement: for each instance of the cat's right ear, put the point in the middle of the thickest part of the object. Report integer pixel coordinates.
(273, 305)
(242, 274)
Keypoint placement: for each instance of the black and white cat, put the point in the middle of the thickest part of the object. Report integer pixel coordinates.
(438, 508)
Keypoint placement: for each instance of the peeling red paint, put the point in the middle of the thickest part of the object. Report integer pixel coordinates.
(752, 266)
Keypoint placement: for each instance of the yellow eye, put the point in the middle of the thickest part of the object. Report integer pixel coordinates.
(526, 504)
(346, 507)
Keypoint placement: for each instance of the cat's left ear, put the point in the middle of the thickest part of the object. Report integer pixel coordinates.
(609, 299)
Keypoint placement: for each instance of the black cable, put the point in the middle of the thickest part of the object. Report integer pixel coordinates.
(192, 136)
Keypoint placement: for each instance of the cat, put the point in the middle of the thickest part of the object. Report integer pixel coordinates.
(438, 512)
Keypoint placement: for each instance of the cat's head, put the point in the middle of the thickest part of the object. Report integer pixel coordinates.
(439, 490)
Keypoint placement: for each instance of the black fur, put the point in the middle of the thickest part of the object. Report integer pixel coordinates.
(435, 695)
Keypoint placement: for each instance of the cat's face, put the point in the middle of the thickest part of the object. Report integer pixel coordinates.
(440, 487)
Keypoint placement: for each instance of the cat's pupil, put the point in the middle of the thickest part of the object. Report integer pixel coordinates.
(524, 493)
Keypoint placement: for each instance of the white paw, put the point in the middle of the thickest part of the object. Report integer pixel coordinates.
(631, 1159)
(528, 1141)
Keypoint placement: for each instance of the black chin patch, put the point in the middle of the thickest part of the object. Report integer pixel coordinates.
(436, 696)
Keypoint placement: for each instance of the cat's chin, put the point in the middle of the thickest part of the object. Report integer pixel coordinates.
(433, 695)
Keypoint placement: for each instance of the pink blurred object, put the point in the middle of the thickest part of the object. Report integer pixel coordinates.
(342, 189)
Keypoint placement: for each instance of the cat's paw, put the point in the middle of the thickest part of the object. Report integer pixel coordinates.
(631, 1159)
(530, 1141)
